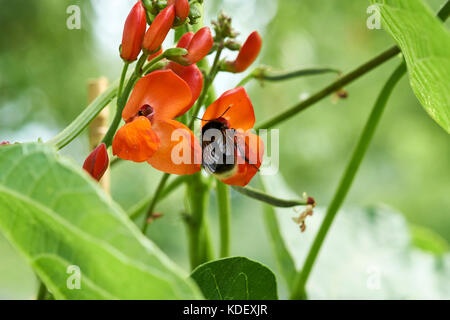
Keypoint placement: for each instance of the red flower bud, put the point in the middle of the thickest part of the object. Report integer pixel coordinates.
(185, 40)
(133, 33)
(181, 8)
(247, 55)
(97, 162)
(158, 30)
(198, 46)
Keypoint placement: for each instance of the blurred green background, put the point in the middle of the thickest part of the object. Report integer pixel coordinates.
(44, 69)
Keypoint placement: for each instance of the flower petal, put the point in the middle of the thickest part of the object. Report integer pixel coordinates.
(247, 166)
(135, 141)
(158, 30)
(185, 40)
(193, 77)
(165, 92)
(179, 151)
(235, 106)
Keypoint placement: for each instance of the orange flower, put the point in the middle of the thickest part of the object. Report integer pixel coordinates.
(133, 33)
(233, 112)
(150, 133)
(193, 77)
(97, 162)
(247, 55)
(181, 8)
(198, 46)
(158, 30)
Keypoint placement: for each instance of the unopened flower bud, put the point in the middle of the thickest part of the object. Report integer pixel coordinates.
(197, 45)
(181, 8)
(97, 162)
(158, 30)
(133, 33)
(247, 55)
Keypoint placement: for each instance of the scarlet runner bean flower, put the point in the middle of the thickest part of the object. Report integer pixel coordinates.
(97, 162)
(234, 111)
(133, 33)
(158, 30)
(181, 8)
(247, 54)
(198, 46)
(148, 132)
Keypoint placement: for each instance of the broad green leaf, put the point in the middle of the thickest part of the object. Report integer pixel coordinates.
(236, 278)
(425, 43)
(368, 254)
(57, 217)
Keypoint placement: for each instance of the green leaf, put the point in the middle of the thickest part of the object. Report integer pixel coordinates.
(428, 240)
(57, 217)
(425, 43)
(236, 278)
(368, 254)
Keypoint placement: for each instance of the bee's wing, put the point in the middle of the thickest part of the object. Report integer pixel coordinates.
(209, 158)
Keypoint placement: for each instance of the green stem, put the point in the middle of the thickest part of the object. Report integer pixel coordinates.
(200, 247)
(269, 199)
(333, 87)
(122, 77)
(84, 118)
(156, 195)
(223, 203)
(209, 80)
(139, 208)
(262, 73)
(299, 291)
(122, 100)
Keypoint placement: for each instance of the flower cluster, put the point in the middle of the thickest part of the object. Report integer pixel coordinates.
(153, 131)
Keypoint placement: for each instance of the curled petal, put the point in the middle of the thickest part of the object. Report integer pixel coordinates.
(235, 106)
(200, 45)
(185, 40)
(193, 77)
(133, 33)
(179, 151)
(247, 55)
(135, 141)
(247, 166)
(158, 30)
(97, 162)
(165, 92)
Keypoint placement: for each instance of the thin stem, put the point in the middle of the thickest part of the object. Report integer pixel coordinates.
(262, 73)
(269, 199)
(209, 80)
(333, 87)
(223, 202)
(122, 99)
(139, 208)
(77, 126)
(157, 194)
(299, 291)
(122, 77)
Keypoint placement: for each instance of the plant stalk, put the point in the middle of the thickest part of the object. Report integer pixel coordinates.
(224, 205)
(299, 291)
